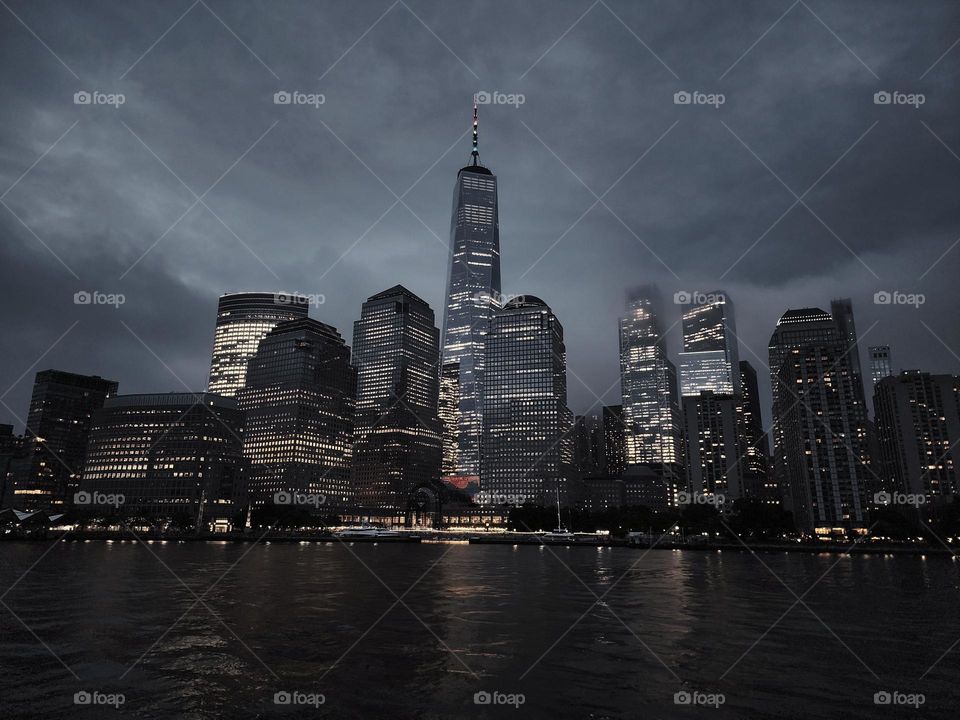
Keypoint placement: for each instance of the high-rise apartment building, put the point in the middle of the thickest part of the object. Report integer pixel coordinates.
(918, 433)
(758, 480)
(714, 465)
(526, 418)
(243, 320)
(820, 433)
(397, 446)
(473, 294)
(299, 400)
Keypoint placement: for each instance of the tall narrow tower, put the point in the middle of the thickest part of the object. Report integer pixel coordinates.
(473, 294)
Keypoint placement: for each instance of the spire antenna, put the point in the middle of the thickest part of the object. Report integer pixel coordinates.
(475, 153)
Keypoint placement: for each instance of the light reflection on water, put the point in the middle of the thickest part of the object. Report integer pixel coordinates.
(587, 639)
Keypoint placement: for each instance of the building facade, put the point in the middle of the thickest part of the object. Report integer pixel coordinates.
(397, 446)
(714, 464)
(473, 294)
(526, 419)
(168, 455)
(57, 430)
(758, 479)
(918, 431)
(820, 431)
(299, 399)
(648, 383)
(881, 366)
(710, 358)
(243, 320)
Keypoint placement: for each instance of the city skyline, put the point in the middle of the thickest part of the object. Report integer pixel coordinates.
(427, 134)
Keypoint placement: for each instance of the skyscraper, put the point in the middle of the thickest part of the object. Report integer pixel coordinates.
(473, 294)
(58, 426)
(243, 320)
(614, 444)
(397, 445)
(589, 451)
(648, 384)
(842, 311)
(753, 438)
(526, 421)
(880, 363)
(820, 433)
(714, 465)
(169, 455)
(918, 431)
(299, 400)
(710, 357)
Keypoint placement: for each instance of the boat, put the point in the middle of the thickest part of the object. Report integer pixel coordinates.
(559, 532)
(365, 531)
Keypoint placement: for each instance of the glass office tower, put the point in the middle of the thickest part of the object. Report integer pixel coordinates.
(243, 320)
(710, 359)
(473, 294)
(527, 425)
(397, 446)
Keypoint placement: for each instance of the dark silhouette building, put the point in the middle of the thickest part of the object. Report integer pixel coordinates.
(755, 445)
(397, 446)
(918, 432)
(58, 426)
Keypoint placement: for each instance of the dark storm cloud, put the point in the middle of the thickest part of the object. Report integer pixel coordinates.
(306, 199)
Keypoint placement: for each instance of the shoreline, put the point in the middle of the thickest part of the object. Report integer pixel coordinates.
(415, 538)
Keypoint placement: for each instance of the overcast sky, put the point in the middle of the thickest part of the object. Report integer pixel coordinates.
(796, 189)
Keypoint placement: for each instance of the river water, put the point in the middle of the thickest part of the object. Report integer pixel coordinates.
(216, 630)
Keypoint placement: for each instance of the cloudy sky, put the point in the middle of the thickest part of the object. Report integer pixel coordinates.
(798, 188)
